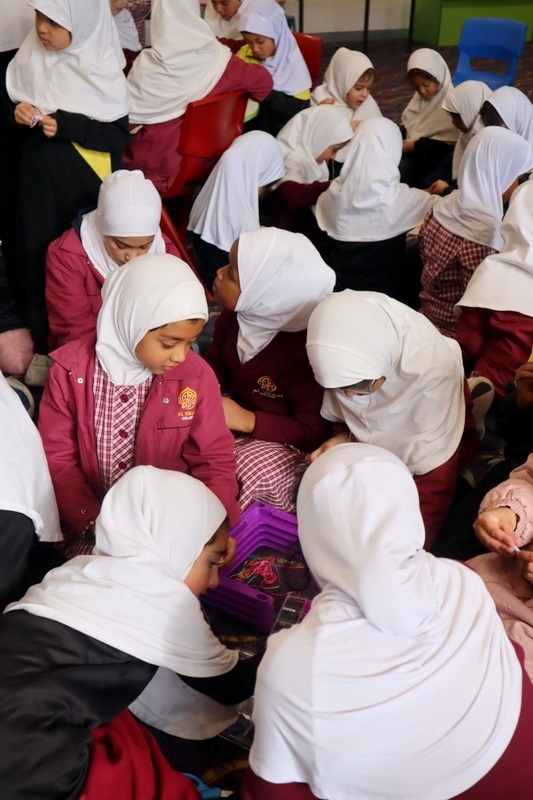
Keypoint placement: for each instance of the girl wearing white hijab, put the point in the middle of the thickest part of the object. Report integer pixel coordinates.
(97, 629)
(310, 141)
(373, 695)
(430, 135)
(269, 41)
(464, 102)
(393, 380)
(366, 213)
(228, 202)
(495, 322)
(510, 108)
(184, 63)
(28, 508)
(68, 95)
(223, 17)
(465, 226)
(347, 82)
(273, 282)
(124, 225)
(137, 395)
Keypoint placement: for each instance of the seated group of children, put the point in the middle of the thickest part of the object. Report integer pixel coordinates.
(331, 356)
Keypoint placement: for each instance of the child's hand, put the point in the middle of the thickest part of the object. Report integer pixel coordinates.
(495, 529)
(526, 557)
(25, 113)
(49, 126)
(237, 418)
(408, 146)
(117, 6)
(355, 122)
(438, 187)
(230, 553)
(340, 438)
(329, 101)
(524, 386)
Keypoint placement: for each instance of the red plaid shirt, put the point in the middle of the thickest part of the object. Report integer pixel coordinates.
(139, 11)
(449, 262)
(117, 414)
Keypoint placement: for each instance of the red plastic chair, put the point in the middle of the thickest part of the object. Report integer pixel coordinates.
(169, 229)
(209, 127)
(311, 49)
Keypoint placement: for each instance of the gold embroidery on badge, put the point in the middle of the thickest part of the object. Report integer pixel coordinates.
(187, 399)
(267, 388)
(267, 384)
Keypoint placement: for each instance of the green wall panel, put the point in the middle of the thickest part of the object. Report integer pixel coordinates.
(439, 22)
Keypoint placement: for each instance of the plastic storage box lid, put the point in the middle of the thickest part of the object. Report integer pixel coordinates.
(259, 526)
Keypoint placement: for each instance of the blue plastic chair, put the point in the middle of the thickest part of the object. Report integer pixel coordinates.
(490, 37)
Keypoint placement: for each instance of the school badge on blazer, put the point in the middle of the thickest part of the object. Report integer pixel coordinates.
(187, 401)
(266, 387)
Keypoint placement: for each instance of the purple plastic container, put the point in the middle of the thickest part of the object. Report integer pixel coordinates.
(259, 526)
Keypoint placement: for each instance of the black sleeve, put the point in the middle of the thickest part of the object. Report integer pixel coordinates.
(231, 688)
(107, 137)
(7, 106)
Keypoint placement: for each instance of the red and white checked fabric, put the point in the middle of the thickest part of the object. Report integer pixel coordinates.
(449, 263)
(139, 10)
(117, 413)
(268, 472)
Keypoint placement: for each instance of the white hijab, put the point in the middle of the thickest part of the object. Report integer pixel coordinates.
(25, 483)
(152, 290)
(419, 412)
(84, 78)
(17, 21)
(466, 100)
(282, 279)
(130, 593)
(287, 66)
(426, 118)
(342, 73)
(228, 202)
(225, 28)
(386, 658)
(492, 161)
(127, 31)
(306, 136)
(128, 205)
(504, 281)
(183, 64)
(367, 202)
(515, 109)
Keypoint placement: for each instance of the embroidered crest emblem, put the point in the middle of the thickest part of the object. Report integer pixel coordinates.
(187, 399)
(266, 384)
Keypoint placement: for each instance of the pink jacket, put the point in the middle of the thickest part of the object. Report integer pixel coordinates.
(188, 437)
(73, 287)
(516, 493)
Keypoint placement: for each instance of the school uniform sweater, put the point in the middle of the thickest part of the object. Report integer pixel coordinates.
(497, 342)
(73, 287)
(182, 428)
(290, 207)
(277, 385)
